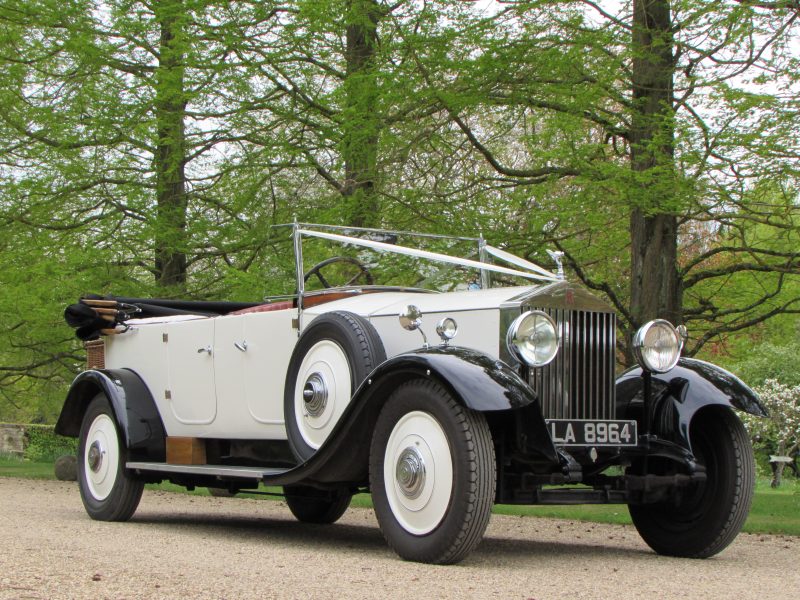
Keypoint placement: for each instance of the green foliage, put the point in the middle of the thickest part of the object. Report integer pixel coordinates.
(44, 445)
(13, 466)
(514, 122)
(769, 361)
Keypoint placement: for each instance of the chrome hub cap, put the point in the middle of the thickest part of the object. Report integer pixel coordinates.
(410, 473)
(94, 460)
(315, 395)
(101, 458)
(418, 472)
(321, 392)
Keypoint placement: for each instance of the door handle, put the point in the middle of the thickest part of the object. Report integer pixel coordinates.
(206, 349)
(241, 347)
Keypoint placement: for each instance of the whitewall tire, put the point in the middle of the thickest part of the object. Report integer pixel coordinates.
(108, 490)
(322, 391)
(432, 474)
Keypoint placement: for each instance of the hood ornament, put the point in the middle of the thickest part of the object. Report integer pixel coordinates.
(557, 257)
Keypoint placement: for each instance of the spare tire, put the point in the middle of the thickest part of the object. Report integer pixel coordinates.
(333, 356)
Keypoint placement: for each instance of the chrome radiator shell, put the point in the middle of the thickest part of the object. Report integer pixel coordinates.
(580, 382)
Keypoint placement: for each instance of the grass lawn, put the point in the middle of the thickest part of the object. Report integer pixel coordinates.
(773, 511)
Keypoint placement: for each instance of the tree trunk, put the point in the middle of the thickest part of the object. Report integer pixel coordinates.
(170, 158)
(361, 124)
(655, 286)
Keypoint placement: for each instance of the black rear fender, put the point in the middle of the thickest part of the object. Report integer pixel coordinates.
(133, 406)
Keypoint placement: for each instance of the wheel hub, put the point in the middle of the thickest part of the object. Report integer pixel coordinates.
(315, 395)
(95, 457)
(410, 473)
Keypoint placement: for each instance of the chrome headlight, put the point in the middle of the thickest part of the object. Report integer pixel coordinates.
(447, 329)
(657, 346)
(533, 338)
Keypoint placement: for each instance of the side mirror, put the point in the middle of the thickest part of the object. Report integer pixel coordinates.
(411, 318)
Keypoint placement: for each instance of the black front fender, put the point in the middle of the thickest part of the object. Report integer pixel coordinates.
(680, 393)
(481, 382)
(132, 403)
(478, 381)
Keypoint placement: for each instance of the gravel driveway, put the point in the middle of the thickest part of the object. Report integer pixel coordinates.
(181, 546)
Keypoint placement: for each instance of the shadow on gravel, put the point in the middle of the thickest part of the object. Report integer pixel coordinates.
(340, 537)
(344, 538)
(511, 549)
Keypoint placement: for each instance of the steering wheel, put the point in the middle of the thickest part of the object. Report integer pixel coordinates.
(363, 271)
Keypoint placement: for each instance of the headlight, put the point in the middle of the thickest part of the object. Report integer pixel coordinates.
(657, 346)
(447, 329)
(533, 338)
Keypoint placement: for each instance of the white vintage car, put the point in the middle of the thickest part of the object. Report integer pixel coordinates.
(439, 404)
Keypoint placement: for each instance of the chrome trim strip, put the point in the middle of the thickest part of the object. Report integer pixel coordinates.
(425, 313)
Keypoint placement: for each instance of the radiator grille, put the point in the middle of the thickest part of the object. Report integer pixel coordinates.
(579, 383)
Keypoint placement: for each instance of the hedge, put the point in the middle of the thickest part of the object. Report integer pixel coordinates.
(43, 444)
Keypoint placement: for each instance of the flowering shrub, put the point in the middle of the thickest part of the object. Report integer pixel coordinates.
(778, 434)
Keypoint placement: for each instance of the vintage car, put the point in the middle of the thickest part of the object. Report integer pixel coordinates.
(438, 403)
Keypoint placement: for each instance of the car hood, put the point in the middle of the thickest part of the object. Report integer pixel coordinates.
(560, 294)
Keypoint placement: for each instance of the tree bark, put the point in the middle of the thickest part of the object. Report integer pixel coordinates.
(361, 124)
(170, 159)
(655, 285)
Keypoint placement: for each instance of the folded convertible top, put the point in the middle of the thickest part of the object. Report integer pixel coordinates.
(94, 315)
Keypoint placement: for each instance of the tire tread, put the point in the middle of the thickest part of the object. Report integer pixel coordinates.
(480, 476)
(745, 484)
(706, 536)
(127, 491)
(360, 342)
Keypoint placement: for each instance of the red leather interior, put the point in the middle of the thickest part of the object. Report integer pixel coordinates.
(264, 308)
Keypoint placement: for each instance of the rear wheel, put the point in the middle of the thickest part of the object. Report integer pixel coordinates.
(312, 505)
(108, 490)
(432, 474)
(709, 516)
(221, 492)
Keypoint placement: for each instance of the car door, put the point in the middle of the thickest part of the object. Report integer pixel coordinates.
(251, 353)
(190, 363)
(270, 341)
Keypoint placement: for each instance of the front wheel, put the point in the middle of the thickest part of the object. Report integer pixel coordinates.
(709, 516)
(432, 474)
(108, 490)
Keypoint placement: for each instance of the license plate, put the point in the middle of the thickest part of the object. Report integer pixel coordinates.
(578, 432)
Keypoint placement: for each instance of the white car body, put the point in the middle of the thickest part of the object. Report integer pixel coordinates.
(232, 393)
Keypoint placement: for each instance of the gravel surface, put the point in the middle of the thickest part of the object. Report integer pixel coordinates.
(181, 546)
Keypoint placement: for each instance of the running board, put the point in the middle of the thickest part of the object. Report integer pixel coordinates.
(221, 471)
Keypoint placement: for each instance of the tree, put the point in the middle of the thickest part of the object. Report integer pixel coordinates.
(149, 144)
(112, 176)
(170, 144)
(642, 118)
